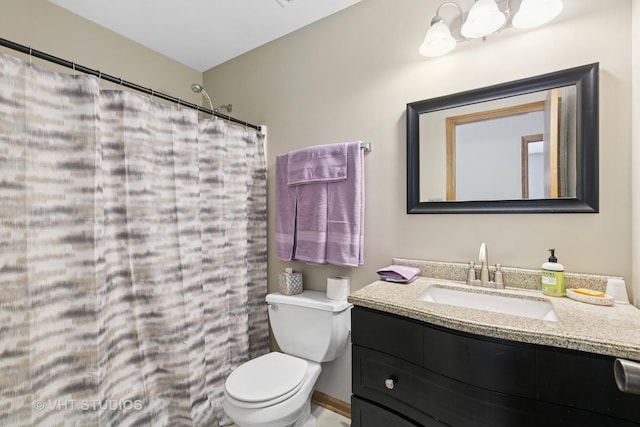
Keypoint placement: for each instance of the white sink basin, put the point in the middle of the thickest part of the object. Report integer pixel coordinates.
(532, 308)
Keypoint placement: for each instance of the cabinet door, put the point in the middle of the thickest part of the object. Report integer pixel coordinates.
(585, 381)
(503, 367)
(387, 333)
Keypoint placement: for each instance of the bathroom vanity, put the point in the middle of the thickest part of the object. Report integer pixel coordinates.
(420, 363)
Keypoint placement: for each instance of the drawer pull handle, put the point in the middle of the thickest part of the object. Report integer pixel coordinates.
(390, 382)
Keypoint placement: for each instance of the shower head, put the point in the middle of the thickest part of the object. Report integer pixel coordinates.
(197, 88)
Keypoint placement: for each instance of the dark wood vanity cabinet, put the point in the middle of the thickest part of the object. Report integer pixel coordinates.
(409, 373)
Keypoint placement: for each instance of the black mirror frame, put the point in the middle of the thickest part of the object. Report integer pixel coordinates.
(586, 201)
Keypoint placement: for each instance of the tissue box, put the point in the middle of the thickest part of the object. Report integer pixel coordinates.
(290, 283)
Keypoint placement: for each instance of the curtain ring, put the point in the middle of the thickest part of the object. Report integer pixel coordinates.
(30, 53)
(151, 99)
(120, 81)
(73, 64)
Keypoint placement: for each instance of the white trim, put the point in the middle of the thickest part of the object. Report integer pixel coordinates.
(635, 152)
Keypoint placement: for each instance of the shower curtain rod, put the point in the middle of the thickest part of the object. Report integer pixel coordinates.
(47, 57)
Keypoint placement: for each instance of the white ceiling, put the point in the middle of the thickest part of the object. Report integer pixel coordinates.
(203, 33)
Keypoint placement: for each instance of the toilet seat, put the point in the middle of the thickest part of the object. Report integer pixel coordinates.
(266, 380)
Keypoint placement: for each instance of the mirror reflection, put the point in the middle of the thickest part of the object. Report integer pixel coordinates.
(522, 147)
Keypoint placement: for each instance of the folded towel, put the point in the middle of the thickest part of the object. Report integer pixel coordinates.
(301, 218)
(399, 273)
(345, 216)
(323, 221)
(320, 163)
(311, 222)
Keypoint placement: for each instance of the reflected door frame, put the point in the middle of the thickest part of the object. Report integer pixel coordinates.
(526, 140)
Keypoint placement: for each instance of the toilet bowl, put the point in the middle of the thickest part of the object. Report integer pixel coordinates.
(278, 396)
(274, 390)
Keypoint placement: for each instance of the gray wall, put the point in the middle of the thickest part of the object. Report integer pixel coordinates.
(46, 27)
(350, 76)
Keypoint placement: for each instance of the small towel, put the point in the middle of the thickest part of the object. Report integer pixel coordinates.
(320, 163)
(399, 273)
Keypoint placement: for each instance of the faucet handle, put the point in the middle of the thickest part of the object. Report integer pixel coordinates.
(471, 274)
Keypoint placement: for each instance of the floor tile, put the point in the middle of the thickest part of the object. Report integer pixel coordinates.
(327, 418)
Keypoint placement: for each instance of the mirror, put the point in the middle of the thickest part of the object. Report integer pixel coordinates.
(525, 146)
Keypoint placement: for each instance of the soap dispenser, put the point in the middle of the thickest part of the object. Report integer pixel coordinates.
(552, 280)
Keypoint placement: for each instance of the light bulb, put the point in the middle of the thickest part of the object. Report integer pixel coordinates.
(483, 19)
(437, 41)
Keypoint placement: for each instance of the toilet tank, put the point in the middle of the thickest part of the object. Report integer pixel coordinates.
(310, 325)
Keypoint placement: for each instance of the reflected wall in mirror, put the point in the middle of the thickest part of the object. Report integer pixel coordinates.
(525, 146)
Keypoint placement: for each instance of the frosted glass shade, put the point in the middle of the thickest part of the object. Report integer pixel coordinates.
(438, 41)
(533, 13)
(483, 19)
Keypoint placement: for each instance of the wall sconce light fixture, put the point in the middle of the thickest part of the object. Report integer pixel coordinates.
(484, 18)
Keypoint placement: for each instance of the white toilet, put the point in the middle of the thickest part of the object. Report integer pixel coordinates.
(275, 390)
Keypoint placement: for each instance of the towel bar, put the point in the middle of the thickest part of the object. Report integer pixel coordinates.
(627, 375)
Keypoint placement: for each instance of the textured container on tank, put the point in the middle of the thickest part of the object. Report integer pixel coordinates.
(290, 283)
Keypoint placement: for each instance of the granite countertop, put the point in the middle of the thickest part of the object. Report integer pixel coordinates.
(608, 330)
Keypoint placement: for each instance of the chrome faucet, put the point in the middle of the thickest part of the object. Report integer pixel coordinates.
(483, 257)
(485, 277)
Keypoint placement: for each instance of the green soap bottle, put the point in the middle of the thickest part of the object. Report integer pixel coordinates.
(552, 280)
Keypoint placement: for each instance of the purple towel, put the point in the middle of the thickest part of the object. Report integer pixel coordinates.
(322, 222)
(321, 163)
(399, 273)
(311, 222)
(345, 230)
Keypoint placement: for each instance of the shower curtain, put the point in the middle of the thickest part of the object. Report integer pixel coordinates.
(132, 255)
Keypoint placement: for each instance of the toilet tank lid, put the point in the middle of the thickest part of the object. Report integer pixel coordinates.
(311, 299)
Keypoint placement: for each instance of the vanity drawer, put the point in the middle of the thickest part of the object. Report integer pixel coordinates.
(387, 333)
(394, 384)
(505, 368)
(383, 377)
(430, 399)
(365, 414)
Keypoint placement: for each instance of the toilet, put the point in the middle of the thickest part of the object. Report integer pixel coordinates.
(275, 390)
